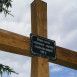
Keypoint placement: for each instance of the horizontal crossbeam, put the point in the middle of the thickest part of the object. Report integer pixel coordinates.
(18, 44)
(14, 43)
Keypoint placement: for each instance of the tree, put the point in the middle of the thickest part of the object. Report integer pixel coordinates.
(6, 69)
(4, 5)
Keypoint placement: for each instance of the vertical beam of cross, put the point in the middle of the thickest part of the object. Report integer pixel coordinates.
(39, 66)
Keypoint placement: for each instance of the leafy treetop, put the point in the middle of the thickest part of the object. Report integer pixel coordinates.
(4, 5)
(6, 69)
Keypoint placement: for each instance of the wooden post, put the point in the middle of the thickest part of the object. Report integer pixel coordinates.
(40, 66)
(18, 44)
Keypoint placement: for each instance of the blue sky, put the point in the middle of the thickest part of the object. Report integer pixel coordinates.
(62, 27)
(61, 71)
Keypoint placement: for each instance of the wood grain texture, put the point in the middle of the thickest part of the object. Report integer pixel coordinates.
(66, 57)
(18, 44)
(14, 43)
(40, 66)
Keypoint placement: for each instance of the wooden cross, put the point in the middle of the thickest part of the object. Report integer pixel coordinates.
(18, 44)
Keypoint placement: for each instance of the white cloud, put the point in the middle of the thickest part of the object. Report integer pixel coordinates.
(56, 69)
(17, 27)
(21, 24)
(52, 64)
(20, 64)
(62, 22)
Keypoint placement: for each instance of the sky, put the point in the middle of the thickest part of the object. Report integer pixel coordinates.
(62, 27)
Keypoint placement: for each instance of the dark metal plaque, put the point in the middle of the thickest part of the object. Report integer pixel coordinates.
(42, 47)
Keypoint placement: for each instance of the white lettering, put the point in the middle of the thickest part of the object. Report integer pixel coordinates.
(46, 42)
(49, 50)
(39, 47)
(38, 43)
(39, 40)
(49, 46)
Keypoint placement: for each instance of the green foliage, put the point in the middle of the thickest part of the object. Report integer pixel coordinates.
(4, 5)
(7, 69)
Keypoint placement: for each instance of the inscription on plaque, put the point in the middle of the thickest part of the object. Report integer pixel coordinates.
(42, 47)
